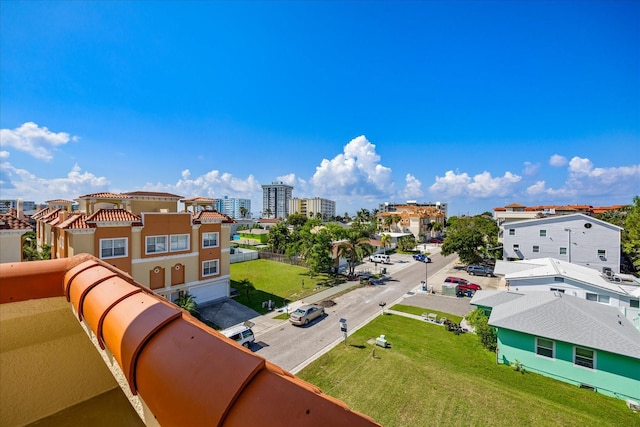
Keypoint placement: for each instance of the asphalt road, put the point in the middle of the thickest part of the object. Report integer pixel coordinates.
(292, 347)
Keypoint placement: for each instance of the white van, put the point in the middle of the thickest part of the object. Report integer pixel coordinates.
(242, 334)
(380, 258)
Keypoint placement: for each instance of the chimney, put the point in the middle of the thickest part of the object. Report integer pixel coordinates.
(19, 209)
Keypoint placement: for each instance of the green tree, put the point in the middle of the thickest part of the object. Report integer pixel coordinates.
(355, 247)
(243, 211)
(278, 238)
(385, 240)
(317, 249)
(388, 221)
(297, 220)
(470, 238)
(30, 250)
(188, 302)
(407, 243)
(487, 335)
(631, 235)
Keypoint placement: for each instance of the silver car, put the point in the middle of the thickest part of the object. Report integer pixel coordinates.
(305, 314)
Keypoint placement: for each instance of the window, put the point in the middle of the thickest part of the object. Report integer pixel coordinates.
(602, 254)
(113, 248)
(543, 233)
(604, 299)
(545, 347)
(179, 242)
(516, 247)
(557, 290)
(563, 251)
(156, 244)
(536, 248)
(584, 357)
(512, 232)
(634, 303)
(209, 240)
(558, 279)
(210, 268)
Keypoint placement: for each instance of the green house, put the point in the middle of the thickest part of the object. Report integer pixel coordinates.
(567, 338)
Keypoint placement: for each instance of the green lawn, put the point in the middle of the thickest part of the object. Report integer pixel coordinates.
(419, 310)
(433, 377)
(274, 281)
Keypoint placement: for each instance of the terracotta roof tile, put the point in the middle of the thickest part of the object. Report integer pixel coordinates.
(151, 194)
(51, 215)
(10, 222)
(199, 199)
(171, 359)
(113, 215)
(74, 222)
(59, 202)
(105, 195)
(212, 216)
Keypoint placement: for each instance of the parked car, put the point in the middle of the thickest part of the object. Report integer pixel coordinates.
(435, 240)
(422, 258)
(305, 314)
(462, 284)
(480, 270)
(385, 259)
(242, 334)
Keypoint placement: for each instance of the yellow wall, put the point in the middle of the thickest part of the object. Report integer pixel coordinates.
(47, 362)
(81, 243)
(137, 207)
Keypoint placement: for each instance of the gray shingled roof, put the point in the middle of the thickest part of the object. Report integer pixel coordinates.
(491, 298)
(570, 319)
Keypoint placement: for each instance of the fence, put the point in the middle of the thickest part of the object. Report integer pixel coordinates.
(281, 258)
(241, 255)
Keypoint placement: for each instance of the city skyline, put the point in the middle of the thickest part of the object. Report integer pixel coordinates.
(474, 104)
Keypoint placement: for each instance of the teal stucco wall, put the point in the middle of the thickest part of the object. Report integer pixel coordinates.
(613, 374)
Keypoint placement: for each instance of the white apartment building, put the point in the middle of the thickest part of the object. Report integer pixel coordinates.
(311, 207)
(275, 200)
(578, 239)
(232, 207)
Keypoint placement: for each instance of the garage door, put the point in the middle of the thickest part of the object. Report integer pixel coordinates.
(209, 292)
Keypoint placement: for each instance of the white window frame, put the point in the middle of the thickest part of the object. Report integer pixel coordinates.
(602, 299)
(208, 265)
(177, 237)
(112, 240)
(543, 346)
(536, 248)
(205, 239)
(146, 244)
(512, 232)
(563, 251)
(583, 365)
(543, 233)
(602, 253)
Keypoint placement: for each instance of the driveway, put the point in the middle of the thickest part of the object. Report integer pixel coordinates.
(226, 312)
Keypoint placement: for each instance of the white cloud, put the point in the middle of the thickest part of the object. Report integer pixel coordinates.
(531, 168)
(34, 140)
(412, 189)
(580, 166)
(20, 183)
(557, 160)
(355, 172)
(537, 188)
(481, 186)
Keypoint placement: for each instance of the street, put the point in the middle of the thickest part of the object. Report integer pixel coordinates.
(292, 347)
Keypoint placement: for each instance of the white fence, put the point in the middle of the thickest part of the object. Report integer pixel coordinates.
(241, 255)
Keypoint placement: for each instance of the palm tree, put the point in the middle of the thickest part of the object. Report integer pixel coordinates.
(267, 213)
(388, 220)
(243, 211)
(188, 302)
(354, 248)
(395, 219)
(386, 241)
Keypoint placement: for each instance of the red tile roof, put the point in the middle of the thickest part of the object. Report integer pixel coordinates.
(212, 216)
(74, 222)
(113, 215)
(10, 222)
(151, 194)
(171, 359)
(59, 202)
(199, 199)
(105, 195)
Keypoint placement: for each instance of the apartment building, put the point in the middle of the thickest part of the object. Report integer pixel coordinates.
(275, 200)
(393, 207)
(234, 207)
(578, 238)
(144, 235)
(422, 222)
(312, 207)
(518, 212)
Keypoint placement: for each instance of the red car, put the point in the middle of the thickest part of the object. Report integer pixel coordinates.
(463, 284)
(435, 240)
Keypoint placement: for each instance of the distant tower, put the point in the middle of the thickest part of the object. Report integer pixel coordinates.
(275, 200)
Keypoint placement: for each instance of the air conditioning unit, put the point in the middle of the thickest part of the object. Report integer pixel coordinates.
(607, 271)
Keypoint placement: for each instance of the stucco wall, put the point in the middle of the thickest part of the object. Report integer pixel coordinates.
(10, 247)
(47, 363)
(614, 375)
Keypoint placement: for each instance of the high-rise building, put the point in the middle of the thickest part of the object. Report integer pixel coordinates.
(234, 207)
(275, 200)
(312, 207)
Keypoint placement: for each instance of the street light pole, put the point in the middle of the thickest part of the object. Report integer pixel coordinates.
(569, 249)
(426, 272)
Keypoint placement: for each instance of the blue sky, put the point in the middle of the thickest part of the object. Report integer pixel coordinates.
(475, 103)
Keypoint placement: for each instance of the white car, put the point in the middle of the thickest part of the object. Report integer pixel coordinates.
(305, 314)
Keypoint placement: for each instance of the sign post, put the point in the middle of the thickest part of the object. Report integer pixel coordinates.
(343, 329)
